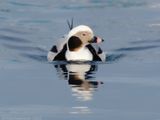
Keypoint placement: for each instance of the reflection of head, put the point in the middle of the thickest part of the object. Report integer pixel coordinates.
(80, 77)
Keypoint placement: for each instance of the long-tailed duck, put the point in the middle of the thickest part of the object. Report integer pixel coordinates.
(79, 45)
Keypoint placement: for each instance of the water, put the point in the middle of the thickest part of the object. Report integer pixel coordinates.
(125, 87)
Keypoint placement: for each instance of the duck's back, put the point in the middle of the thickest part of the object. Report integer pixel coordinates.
(58, 49)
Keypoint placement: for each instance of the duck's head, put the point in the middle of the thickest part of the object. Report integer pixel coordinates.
(80, 36)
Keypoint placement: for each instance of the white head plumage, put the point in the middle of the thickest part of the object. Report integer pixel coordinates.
(78, 29)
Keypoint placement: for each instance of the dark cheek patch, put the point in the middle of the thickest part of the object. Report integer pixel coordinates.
(74, 43)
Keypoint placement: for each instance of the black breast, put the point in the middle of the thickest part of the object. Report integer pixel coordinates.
(61, 55)
(93, 51)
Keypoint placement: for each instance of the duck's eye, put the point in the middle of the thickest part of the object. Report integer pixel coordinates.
(83, 34)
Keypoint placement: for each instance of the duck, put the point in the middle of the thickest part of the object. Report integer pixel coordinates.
(80, 44)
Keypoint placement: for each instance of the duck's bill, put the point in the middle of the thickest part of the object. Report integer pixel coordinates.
(96, 40)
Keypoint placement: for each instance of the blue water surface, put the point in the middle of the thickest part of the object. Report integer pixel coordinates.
(125, 87)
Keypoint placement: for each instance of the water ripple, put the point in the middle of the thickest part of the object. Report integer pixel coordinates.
(11, 30)
(39, 58)
(32, 52)
(146, 41)
(13, 39)
(25, 48)
(25, 4)
(137, 48)
(5, 10)
(103, 4)
(114, 57)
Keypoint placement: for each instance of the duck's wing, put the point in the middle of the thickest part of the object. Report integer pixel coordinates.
(97, 52)
(58, 49)
(102, 54)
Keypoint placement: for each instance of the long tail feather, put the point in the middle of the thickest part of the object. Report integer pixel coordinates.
(70, 24)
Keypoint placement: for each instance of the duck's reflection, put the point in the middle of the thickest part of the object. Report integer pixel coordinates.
(81, 79)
